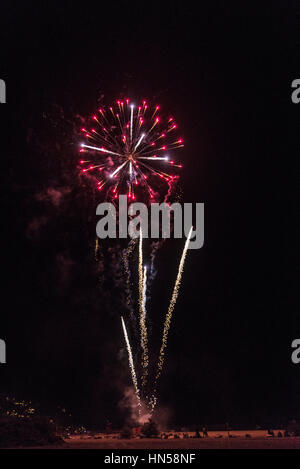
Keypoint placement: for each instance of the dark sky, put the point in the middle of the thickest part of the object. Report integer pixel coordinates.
(226, 73)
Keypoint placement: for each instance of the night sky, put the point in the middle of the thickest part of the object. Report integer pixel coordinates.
(225, 72)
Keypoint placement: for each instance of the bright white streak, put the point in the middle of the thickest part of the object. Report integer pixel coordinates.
(165, 158)
(131, 122)
(139, 141)
(100, 149)
(131, 364)
(118, 169)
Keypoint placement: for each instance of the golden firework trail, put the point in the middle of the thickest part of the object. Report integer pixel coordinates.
(144, 289)
(142, 311)
(131, 364)
(126, 254)
(96, 248)
(130, 248)
(169, 315)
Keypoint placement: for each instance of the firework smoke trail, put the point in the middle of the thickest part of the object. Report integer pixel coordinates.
(169, 316)
(155, 246)
(143, 327)
(131, 364)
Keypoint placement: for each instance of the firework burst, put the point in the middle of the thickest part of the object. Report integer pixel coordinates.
(129, 149)
(128, 146)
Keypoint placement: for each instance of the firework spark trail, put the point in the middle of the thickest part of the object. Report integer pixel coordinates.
(131, 364)
(96, 248)
(126, 253)
(169, 314)
(143, 327)
(145, 289)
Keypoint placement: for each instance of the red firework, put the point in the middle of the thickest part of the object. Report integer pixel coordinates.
(128, 146)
